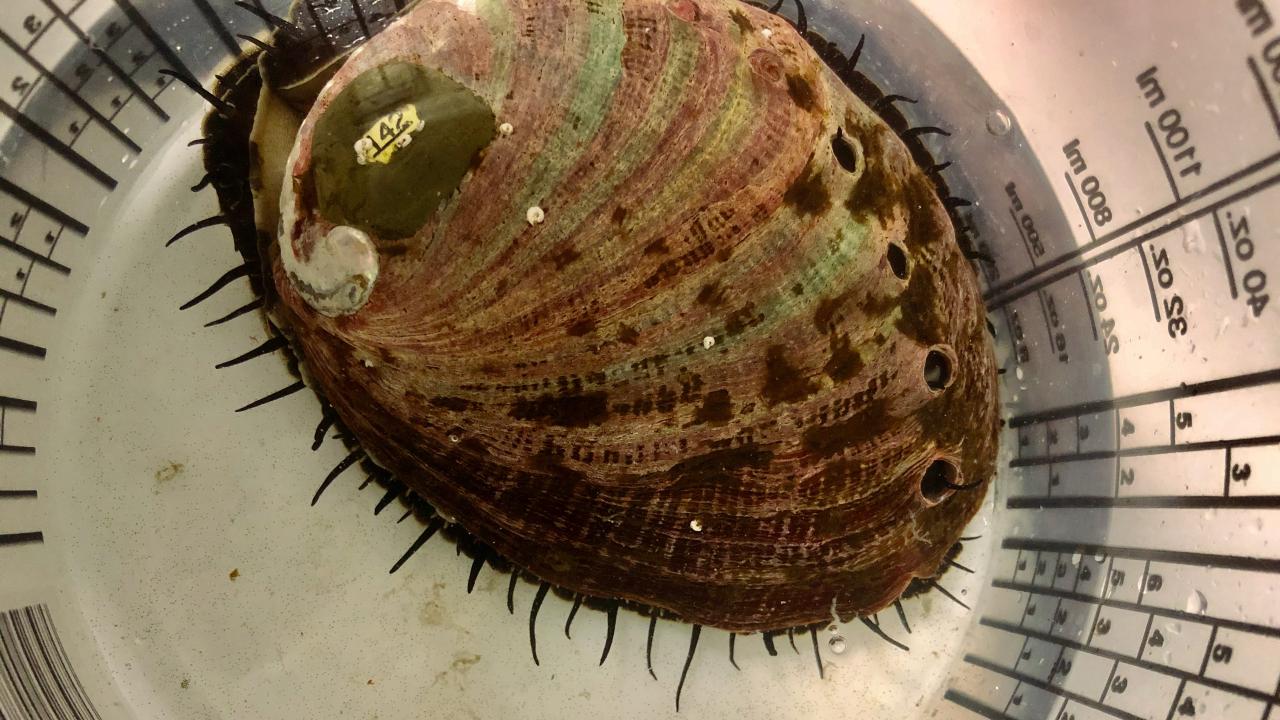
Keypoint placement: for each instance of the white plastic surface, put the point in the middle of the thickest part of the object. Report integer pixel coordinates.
(1130, 565)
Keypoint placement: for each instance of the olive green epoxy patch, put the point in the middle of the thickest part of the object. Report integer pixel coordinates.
(393, 145)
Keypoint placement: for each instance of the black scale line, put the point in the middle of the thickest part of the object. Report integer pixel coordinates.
(1146, 450)
(1009, 290)
(71, 94)
(1136, 607)
(1264, 92)
(359, 13)
(144, 25)
(1228, 562)
(1127, 659)
(34, 256)
(42, 207)
(1060, 692)
(22, 348)
(215, 22)
(1084, 215)
(107, 60)
(1148, 502)
(1185, 390)
(16, 450)
(1226, 255)
(1164, 162)
(974, 706)
(13, 494)
(17, 403)
(58, 147)
(1051, 278)
(22, 538)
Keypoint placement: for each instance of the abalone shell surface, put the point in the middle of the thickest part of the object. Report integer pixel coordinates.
(737, 373)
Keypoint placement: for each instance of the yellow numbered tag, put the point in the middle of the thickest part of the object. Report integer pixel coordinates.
(388, 134)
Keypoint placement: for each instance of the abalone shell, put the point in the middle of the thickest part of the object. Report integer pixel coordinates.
(649, 302)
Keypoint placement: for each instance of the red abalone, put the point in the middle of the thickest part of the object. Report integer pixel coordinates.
(636, 292)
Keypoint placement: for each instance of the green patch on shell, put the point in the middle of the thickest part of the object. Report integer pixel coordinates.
(427, 150)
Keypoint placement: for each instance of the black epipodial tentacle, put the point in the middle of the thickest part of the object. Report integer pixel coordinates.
(282, 392)
(875, 628)
(242, 310)
(688, 660)
(938, 586)
(351, 459)
(197, 225)
(432, 528)
(272, 344)
(817, 654)
(533, 618)
(648, 645)
(612, 625)
(476, 565)
(902, 615)
(573, 612)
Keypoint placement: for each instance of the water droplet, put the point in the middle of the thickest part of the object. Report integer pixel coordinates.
(837, 645)
(535, 215)
(1076, 558)
(1174, 628)
(1196, 602)
(708, 342)
(695, 525)
(1192, 239)
(999, 123)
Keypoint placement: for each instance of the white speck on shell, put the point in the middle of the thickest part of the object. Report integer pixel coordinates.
(708, 342)
(767, 33)
(695, 525)
(505, 129)
(535, 215)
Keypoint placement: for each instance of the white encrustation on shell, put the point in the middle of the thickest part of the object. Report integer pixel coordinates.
(535, 215)
(339, 274)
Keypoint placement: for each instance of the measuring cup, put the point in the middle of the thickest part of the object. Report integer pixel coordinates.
(158, 558)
